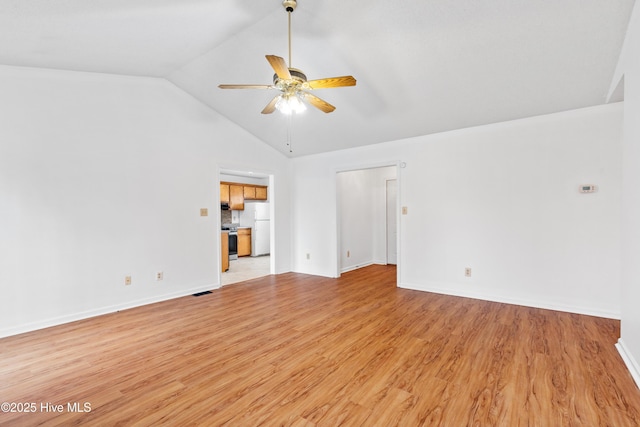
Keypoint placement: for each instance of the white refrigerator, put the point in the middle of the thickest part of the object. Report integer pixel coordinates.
(256, 216)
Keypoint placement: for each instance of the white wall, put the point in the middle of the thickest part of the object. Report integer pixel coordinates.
(103, 177)
(629, 344)
(355, 206)
(502, 199)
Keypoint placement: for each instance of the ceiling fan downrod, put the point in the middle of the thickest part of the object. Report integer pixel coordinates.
(289, 6)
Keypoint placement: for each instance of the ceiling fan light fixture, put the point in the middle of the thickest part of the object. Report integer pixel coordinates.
(291, 103)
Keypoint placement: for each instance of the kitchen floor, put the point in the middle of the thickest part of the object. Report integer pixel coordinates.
(245, 268)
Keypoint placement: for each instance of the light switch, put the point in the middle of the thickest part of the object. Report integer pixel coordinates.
(204, 212)
(404, 210)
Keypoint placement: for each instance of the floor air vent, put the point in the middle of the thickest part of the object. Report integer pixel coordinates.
(201, 293)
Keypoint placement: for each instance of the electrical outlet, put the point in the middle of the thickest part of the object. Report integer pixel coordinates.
(127, 280)
(348, 254)
(204, 212)
(467, 272)
(308, 256)
(159, 276)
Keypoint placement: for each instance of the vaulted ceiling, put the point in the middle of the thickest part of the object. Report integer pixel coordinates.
(421, 66)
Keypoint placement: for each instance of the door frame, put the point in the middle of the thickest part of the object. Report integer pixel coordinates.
(243, 172)
(387, 217)
(398, 165)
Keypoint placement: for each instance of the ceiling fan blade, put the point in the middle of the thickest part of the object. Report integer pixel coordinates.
(319, 103)
(279, 66)
(245, 86)
(271, 106)
(332, 82)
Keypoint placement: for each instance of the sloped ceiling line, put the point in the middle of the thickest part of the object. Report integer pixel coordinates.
(422, 67)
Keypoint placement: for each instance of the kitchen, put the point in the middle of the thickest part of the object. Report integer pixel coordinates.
(245, 227)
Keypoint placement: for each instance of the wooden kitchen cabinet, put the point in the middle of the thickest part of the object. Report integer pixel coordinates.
(255, 192)
(249, 192)
(235, 194)
(236, 197)
(224, 193)
(224, 250)
(261, 193)
(244, 241)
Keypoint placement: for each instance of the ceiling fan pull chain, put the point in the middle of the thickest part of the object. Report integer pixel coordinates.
(289, 119)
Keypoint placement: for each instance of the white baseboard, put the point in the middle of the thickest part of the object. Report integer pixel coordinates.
(365, 264)
(355, 267)
(629, 361)
(539, 303)
(55, 321)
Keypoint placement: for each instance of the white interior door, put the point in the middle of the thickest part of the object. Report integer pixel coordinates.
(392, 222)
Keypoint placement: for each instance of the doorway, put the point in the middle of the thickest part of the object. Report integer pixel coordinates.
(251, 222)
(366, 217)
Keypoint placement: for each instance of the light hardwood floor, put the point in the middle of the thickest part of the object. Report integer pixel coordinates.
(300, 350)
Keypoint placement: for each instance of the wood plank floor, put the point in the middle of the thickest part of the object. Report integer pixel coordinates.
(300, 350)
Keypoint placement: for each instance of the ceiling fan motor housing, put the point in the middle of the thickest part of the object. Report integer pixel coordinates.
(298, 79)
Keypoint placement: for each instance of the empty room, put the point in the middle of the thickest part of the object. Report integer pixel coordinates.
(311, 213)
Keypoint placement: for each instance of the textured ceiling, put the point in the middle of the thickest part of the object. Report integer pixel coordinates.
(422, 66)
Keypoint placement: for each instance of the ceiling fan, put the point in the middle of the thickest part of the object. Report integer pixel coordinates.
(293, 83)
